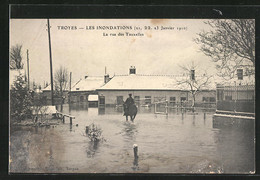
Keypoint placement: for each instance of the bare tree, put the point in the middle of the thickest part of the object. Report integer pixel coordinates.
(194, 79)
(61, 79)
(16, 57)
(231, 44)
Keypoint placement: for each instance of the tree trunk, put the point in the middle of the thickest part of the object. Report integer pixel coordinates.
(193, 102)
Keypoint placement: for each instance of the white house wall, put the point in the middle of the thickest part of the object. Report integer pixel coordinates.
(111, 95)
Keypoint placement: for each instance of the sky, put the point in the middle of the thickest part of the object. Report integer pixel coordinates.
(87, 51)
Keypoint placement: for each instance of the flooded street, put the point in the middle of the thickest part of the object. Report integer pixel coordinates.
(175, 144)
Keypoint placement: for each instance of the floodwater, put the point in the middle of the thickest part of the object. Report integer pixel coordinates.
(175, 143)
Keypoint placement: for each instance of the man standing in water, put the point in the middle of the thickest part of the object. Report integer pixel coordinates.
(129, 101)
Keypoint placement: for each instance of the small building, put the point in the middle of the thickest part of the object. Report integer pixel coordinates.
(236, 97)
(149, 89)
(46, 93)
(87, 86)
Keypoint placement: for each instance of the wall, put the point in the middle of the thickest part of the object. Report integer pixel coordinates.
(47, 94)
(111, 95)
(80, 96)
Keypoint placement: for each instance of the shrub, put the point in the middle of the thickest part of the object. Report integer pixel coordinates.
(94, 133)
(20, 99)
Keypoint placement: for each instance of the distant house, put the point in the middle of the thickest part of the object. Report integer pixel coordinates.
(84, 87)
(46, 93)
(149, 89)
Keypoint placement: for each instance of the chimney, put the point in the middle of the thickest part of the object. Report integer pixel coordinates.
(132, 70)
(106, 78)
(192, 74)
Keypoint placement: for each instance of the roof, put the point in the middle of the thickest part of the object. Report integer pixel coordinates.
(90, 83)
(247, 80)
(48, 88)
(148, 82)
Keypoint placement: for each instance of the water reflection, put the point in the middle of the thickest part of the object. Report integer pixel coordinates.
(92, 148)
(135, 164)
(169, 146)
(193, 119)
(235, 143)
(78, 106)
(130, 130)
(101, 110)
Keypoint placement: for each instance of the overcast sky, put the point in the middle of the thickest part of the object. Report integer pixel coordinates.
(87, 52)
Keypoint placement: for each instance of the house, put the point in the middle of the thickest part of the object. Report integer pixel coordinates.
(86, 86)
(46, 93)
(149, 89)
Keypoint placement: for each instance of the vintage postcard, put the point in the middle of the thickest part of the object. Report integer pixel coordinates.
(132, 96)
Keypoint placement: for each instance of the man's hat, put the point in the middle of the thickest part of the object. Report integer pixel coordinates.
(130, 94)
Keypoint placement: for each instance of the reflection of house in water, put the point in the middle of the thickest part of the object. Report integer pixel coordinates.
(148, 89)
(85, 89)
(236, 98)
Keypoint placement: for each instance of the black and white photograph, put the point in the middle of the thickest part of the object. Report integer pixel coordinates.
(173, 96)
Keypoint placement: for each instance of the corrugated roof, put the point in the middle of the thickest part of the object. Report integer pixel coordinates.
(90, 83)
(148, 82)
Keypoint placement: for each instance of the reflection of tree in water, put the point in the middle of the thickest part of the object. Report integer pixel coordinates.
(92, 148)
(50, 167)
(193, 119)
(19, 151)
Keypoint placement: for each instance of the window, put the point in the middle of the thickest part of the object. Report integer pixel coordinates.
(148, 100)
(119, 100)
(81, 98)
(77, 88)
(220, 94)
(212, 99)
(137, 99)
(205, 99)
(183, 99)
(159, 99)
(228, 98)
(102, 100)
(172, 101)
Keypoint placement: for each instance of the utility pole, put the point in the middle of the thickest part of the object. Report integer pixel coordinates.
(28, 69)
(70, 80)
(49, 35)
(70, 88)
